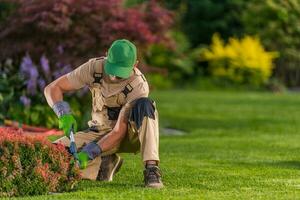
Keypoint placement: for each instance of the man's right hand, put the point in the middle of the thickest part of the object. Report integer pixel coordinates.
(54, 96)
(65, 123)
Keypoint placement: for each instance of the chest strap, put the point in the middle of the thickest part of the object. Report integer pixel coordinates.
(129, 87)
(97, 77)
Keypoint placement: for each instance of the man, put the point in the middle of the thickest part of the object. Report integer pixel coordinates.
(124, 119)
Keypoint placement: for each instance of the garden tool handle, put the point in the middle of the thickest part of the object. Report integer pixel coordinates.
(73, 148)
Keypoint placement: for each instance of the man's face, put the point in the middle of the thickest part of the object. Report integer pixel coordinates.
(115, 79)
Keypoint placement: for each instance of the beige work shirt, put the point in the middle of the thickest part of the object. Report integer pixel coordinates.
(108, 94)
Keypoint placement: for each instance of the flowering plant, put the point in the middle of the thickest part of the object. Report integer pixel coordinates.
(243, 61)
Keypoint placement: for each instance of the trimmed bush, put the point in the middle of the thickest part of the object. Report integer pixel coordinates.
(33, 166)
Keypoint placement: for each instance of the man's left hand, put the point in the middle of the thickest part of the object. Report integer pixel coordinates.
(88, 152)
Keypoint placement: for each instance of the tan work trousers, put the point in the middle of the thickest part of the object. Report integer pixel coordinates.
(145, 139)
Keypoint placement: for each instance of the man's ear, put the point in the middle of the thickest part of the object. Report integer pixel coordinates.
(136, 63)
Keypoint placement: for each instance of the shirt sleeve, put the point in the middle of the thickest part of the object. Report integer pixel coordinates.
(141, 90)
(82, 75)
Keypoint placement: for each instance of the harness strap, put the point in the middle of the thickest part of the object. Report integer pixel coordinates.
(129, 87)
(98, 75)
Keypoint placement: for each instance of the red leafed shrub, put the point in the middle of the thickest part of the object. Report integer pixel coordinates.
(33, 166)
(71, 31)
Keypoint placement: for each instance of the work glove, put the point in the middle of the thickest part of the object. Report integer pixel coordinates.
(65, 123)
(89, 152)
(65, 118)
(83, 159)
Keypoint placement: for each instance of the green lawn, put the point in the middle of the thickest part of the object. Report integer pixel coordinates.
(238, 146)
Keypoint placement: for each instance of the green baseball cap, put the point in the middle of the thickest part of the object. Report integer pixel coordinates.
(120, 59)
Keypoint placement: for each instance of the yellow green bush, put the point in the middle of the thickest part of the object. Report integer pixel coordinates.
(242, 61)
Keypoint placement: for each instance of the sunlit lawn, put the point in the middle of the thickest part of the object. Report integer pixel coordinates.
(237, 146)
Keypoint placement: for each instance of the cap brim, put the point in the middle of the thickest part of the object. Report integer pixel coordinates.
(115, 70)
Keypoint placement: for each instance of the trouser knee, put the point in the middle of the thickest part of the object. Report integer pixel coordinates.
(143, 107)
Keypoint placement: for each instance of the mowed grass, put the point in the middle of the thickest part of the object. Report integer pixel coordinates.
(239, 145)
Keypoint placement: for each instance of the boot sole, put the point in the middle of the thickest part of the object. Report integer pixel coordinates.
(155, 186)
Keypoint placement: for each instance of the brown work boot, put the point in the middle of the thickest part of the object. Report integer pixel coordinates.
(110, 165)
(152, 177)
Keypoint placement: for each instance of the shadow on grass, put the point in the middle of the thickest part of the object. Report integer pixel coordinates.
(85, 184)
(188, 124)
(290, 164)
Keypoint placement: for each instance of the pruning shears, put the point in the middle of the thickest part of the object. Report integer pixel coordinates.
(73, 148)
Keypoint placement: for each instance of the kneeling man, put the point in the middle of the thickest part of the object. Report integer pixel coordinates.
(123, 118)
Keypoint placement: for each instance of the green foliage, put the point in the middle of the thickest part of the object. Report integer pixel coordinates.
(81, 108)
(33, 166)
(6, 9)
(277, 23)
(232, 62)
(205, 17)
(10, 87)
(209, 83)
(158, 81)
(177, 60)
(37, 114)
(131, 3)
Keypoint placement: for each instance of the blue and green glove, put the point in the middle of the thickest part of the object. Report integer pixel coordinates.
(83, 159)
(65, 123)
(65, 117)
(88, 152)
